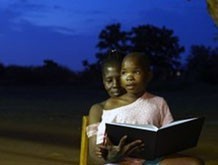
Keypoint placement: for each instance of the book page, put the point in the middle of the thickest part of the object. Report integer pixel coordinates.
(137, 126)
(177, 122)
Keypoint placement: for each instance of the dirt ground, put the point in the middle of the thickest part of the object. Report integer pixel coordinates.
(43, 148)
(42, 126)
(39, 145)
(207, 145)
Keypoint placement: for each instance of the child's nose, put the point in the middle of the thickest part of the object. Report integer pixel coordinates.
(116, 83)
(129, 77)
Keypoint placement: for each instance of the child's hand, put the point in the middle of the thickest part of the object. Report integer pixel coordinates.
(102, 151)
(132, 147)
(111, 153)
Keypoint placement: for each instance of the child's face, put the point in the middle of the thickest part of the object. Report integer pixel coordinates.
(133, 76)
(111, 80)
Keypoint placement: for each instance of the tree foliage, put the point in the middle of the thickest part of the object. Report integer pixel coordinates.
(159, 44)
(111, 38)
(50, 73)
(202, 64)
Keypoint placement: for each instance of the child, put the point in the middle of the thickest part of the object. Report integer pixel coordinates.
(111, 80)
(137, 106)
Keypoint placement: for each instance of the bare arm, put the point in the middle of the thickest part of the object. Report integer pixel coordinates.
(95, 114)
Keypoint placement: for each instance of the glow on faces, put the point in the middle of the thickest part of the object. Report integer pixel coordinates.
(111, 79)
(134, 75)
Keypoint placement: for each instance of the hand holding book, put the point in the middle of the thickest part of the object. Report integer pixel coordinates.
(114, 153)
(171, 138)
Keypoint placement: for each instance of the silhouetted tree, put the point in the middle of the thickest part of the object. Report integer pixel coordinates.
(160, 45)
(202, 64)
(111, 38)
(54, 73)
(211, 75)
(18, 75)
(1, 68)
(50, 73)
(91, 73)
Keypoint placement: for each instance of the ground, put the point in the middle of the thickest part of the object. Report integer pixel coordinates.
(41, 125)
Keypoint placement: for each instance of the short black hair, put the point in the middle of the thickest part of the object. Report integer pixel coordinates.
(143, 59)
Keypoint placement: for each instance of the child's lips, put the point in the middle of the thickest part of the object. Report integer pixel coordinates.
(116, 91)
(130, 86)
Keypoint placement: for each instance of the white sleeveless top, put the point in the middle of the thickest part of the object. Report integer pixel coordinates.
(147, 109)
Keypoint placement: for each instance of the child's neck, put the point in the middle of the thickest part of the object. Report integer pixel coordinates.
(135, 95)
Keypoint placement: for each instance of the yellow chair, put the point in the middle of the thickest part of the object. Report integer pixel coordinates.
(84, 142)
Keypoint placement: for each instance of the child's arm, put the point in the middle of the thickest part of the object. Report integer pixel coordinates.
(94, 118)
(95, 113)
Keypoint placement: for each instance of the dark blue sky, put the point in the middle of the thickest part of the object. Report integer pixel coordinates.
(66, 31)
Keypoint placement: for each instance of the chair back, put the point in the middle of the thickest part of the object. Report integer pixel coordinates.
(84, 142)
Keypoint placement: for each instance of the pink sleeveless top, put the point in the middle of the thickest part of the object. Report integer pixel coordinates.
(148, 109)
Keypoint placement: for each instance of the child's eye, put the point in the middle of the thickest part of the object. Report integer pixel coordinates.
(123, 72)
(137, 72)
(108, 80)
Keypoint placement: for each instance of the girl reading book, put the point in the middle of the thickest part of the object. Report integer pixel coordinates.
(137, 106)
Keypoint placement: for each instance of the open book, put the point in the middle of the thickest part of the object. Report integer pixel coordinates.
(171, 138)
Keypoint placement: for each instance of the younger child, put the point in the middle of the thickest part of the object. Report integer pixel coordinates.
(137, 106)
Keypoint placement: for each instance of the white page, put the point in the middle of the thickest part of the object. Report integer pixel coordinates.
(177, 122)
(152, 127)
(137, 126)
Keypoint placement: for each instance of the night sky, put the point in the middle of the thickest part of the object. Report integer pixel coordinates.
(66, 31)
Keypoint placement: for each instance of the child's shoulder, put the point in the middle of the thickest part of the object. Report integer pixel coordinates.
(112, 103)
(97, 108)
(98, 105)
(115, 102)
(95, 113)
(153, 97)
